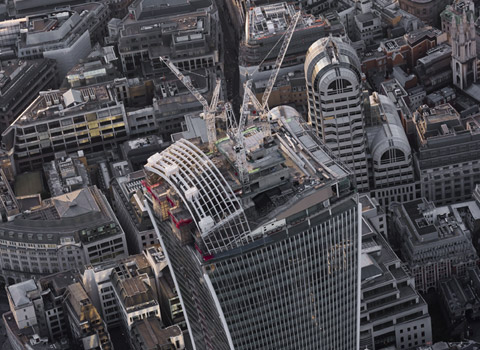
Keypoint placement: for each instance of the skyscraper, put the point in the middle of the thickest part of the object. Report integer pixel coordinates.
(273, 268)
(335, 109)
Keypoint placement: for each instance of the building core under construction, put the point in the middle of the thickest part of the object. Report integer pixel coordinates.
(274, 264)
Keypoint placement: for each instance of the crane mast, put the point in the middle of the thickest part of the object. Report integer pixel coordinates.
(210, 117)
(241, 152)
(231, 122)
(262, 107)
(281, 55)
(209, 111)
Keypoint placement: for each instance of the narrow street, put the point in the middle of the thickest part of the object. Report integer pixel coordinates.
(230, 47)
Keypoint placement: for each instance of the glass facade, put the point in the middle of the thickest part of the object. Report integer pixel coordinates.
(294, 289)
(297, 290)
(275, 268)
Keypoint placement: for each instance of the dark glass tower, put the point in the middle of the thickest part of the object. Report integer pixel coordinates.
(275, 267)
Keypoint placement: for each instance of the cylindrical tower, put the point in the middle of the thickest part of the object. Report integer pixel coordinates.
(335, 103)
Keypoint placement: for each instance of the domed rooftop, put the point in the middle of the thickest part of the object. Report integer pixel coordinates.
(389, 134)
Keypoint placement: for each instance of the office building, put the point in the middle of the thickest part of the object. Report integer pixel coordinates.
(25, 323)
(66, 174)
(426, 10)
(392, 175)
(149, 334)
(393, 313)
(37, 310)
(53, 288)
(335, 103)
(9, 206)
(463, 345)
(379, 63)
(10, 32)
(23, 308)
(170, 306)
(368, 27)
(137, 151)
(59, 312)
(188, 33)
(189, 37)
(167, 101)
(446, 157)
(434, 69)
(460, 298)
(294, 226)
(65, 232)
(421, 41)
(435, 243)
(127, 290)
(39, 304)
(85, 118)
(65, 36)
(258, 50)
(98, 67)
(85, 324)
(135, 299)
(118, 8)
(400, 98)
(440, 97)
(267, 23)
(20, 83)
(128, 205)
(144, 9)
(399, 20)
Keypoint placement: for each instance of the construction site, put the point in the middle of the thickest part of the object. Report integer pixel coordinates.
(230, 195)
(222, 182)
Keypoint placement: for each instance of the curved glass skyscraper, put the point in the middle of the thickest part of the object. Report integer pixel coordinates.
(274, 268)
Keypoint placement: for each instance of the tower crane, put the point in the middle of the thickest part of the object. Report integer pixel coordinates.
(280, 57)
(229, 117)
(209, 111)
(239, 139)
(236, 130)
(262, 107)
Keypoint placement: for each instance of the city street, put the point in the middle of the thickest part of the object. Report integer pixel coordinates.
(230, 52)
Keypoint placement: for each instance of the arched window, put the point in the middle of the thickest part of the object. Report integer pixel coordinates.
(339, 86)
(392, 155)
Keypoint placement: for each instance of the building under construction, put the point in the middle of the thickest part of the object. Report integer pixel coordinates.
(265, 255)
